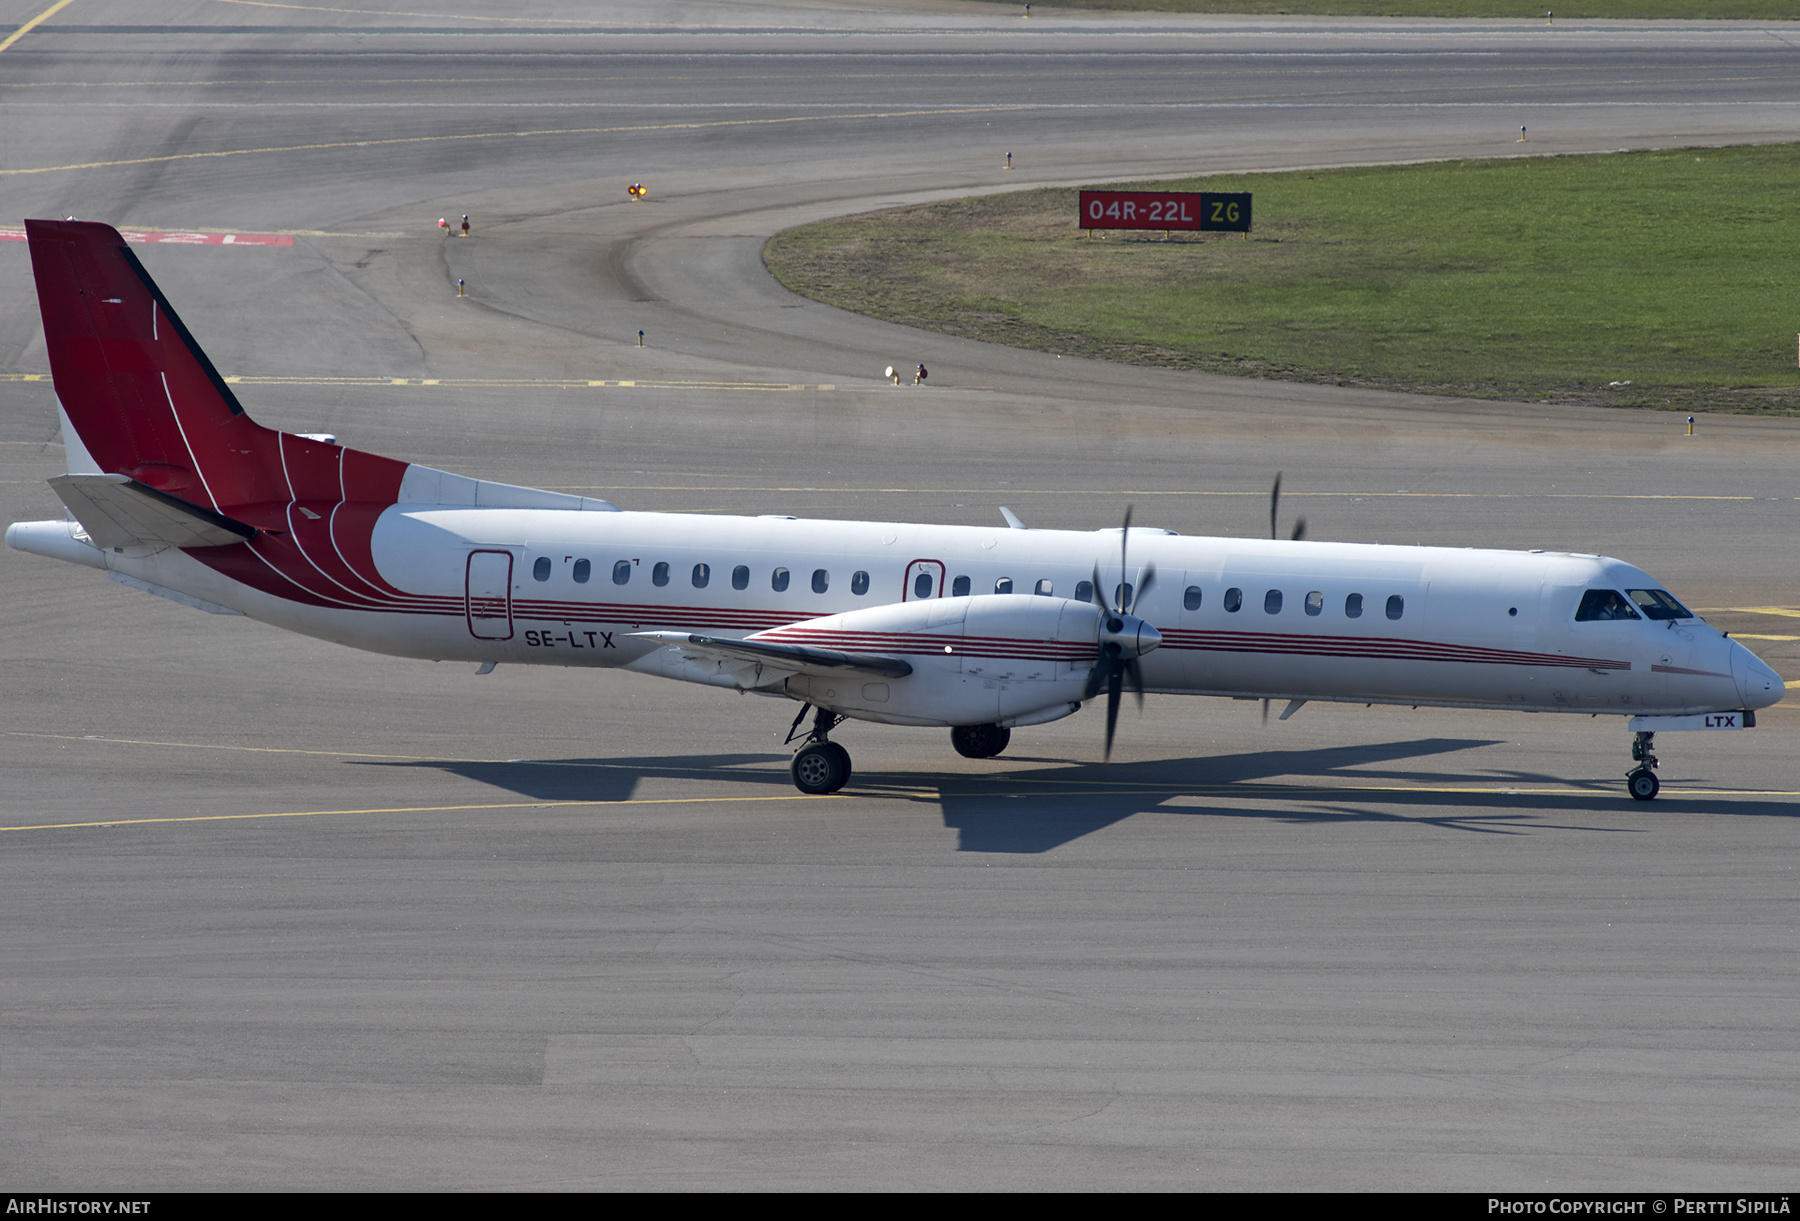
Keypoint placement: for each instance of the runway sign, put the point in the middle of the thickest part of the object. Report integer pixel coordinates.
(1204, 210)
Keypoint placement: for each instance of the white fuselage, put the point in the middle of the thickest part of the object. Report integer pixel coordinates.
(1238, 617)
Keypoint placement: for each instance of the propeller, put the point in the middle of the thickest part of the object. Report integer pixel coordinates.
(1122, 637)
(1275, 533)
(1275, 512)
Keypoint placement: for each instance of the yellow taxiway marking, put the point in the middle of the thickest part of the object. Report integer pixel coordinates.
(33, 23)
(375, 12)
(1006, 786)
(517, 135)
(1787, 611)
(483, 805)
(1250, 792)
(1750, 636)
(261, 750)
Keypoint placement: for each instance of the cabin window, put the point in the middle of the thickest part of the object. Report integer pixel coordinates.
(1602, 604)
(702, 574)
(1315, 603)
(778, 580)
(1396, 606)
(740, 577)
(1045, 588)
(1190, 598)
(621, 572)
(859, 583)
(1084, 591)
(1122, 595)
(583, 570)
(541, 569)
(1353, 606)
(922, 585)
(658, 575)
(1234, 598)
(959, 587)
(1272, 602)
(1656, 604)
(1003, 585)
(821, 580)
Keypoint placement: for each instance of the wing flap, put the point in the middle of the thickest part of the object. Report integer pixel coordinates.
(797, 658)
(117, 511)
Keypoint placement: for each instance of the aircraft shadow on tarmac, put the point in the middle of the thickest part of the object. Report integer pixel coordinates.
(615, 779)
(1043, 808)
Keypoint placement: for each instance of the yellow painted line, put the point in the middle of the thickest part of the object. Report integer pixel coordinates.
(490, 805)
(515, 135)
(33, 23)
(335, 754)
(375, 12)
(261, 750)
(1749, 636)
(1268, 792)
(1786, 611)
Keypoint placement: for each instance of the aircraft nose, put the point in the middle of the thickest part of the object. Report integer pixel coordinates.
(1757, 684)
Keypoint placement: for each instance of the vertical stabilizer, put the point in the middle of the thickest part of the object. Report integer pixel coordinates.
(144, 401)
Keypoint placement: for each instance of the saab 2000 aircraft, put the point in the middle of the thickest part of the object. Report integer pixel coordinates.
(175, 491)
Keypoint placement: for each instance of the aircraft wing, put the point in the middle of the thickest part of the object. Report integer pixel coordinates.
(117, 511)
(797, 658)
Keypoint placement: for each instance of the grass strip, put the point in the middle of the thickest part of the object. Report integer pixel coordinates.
(1660, 279)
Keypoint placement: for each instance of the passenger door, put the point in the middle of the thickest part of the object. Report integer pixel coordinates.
(488, 595)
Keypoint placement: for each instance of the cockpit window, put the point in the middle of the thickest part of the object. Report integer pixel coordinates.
(1598, 604)
(1655, 604)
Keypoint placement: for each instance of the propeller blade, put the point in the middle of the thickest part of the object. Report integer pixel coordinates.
(1112, 708)
(1299, 530)
(1146, 579)
(1265, 714)
(1096, 679)
(1124, 539)
(1135, 676)
(1275, 506)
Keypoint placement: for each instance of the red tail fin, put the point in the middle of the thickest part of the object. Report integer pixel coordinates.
(147, 402)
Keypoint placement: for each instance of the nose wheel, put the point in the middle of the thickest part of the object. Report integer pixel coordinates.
(1641, 781)
(820, 766)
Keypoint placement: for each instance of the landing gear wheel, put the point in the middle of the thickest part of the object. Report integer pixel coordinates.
(979, 741)
(1643, 784)
(820, 767)
(843, 758)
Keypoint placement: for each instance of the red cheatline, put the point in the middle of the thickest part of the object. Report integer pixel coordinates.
(141, 237)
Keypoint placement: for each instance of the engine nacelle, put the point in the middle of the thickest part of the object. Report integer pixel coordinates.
(990, 659)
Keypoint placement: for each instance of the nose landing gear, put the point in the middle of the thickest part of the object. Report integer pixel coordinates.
(820, 766)
(1641, 781)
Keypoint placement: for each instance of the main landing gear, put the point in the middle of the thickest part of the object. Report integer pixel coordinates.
(979, 741)
(1641, 780)
(820, 766)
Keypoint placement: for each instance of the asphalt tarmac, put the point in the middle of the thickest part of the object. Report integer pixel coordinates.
(282, 915)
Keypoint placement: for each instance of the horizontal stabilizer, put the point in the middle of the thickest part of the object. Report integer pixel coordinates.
(117, 511)
(798, 658)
